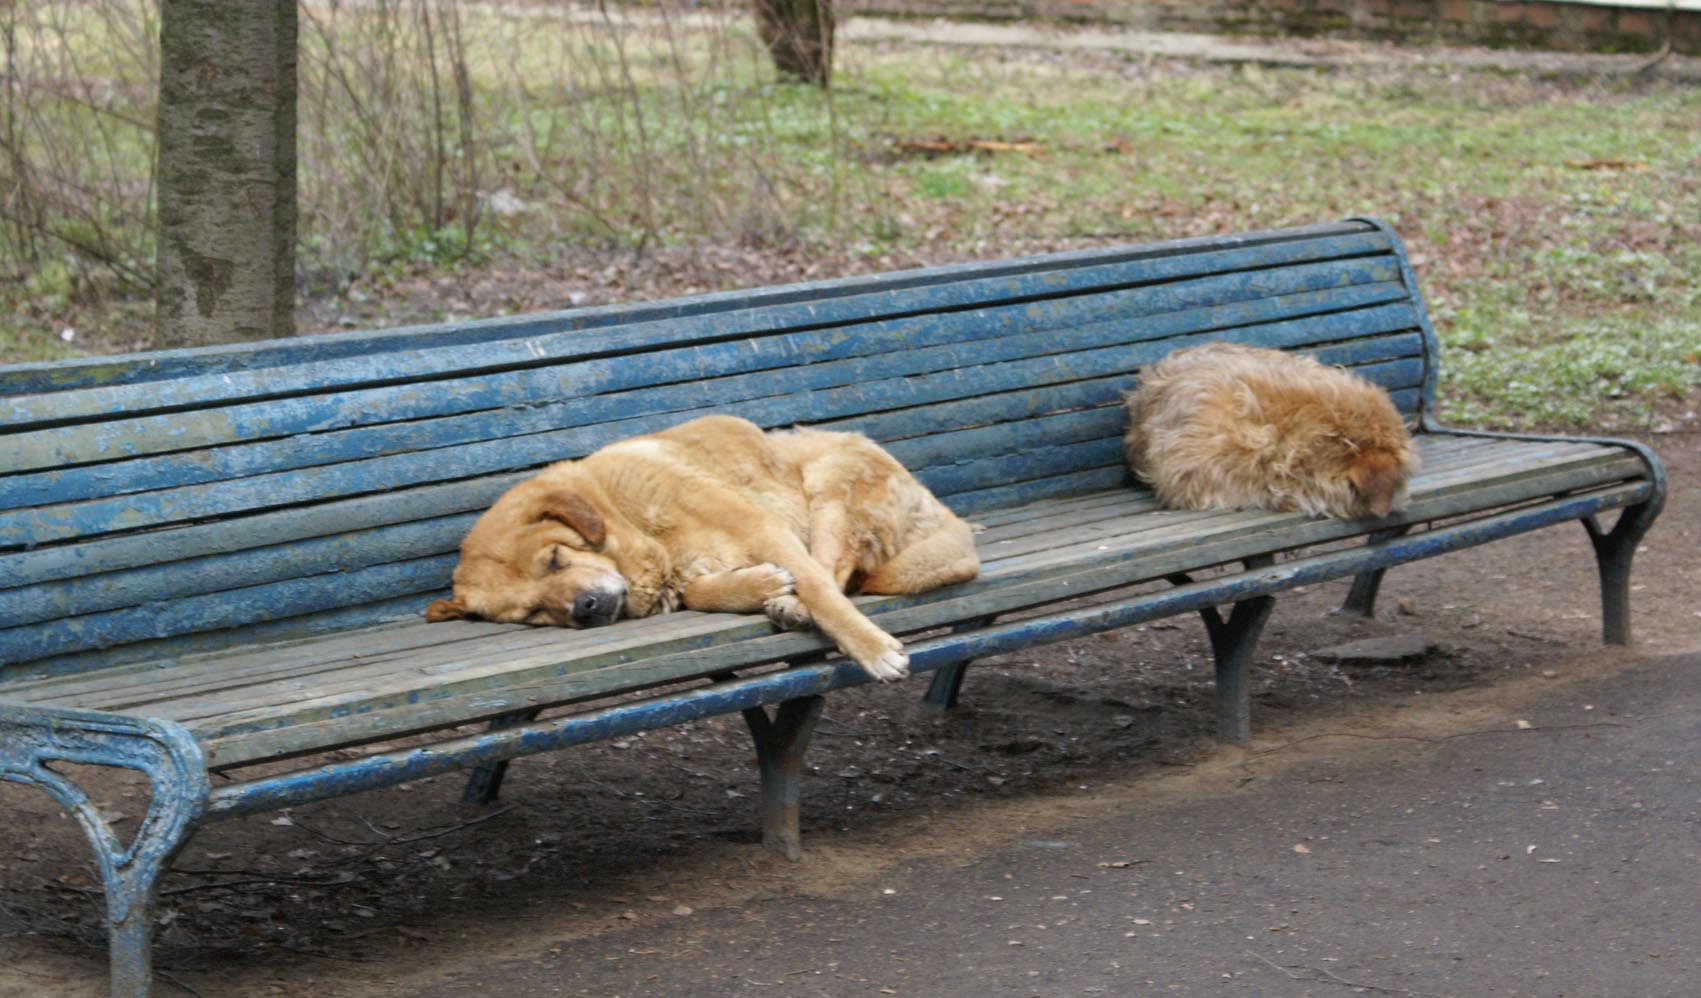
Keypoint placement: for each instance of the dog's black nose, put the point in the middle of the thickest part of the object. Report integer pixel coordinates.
(590, 609)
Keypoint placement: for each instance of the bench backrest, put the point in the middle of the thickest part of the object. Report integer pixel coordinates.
(166, 503)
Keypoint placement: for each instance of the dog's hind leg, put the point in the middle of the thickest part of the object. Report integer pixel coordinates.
(741, 590)
(941, 558)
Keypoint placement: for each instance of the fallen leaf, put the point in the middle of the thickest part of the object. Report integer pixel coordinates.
(1606, 163)
(1522, 724)
(1300, 847)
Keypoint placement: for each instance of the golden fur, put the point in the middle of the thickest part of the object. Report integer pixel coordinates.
(1225, 426)
(715, 514)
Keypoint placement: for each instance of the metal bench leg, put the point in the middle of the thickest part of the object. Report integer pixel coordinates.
(173, 763)
(1361, 601)
(1614, 550)
(948, 680)
(486, 779)
(947, 683)
(1233, 640)
(780, 744)
(1232, 643)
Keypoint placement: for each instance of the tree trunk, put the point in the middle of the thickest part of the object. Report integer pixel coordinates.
(799, 35)
(225, 268)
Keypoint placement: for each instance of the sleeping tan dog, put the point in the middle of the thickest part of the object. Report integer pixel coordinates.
(715, 514)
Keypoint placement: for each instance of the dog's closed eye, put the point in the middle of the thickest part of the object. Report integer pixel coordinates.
(555, 561)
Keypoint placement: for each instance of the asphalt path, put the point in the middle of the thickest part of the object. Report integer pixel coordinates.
(1546, 844)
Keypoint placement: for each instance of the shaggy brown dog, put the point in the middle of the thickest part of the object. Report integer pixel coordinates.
(715, 514)
(1225, 426)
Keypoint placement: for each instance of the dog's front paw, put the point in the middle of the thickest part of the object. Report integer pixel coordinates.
(788, 613)
(890, 666)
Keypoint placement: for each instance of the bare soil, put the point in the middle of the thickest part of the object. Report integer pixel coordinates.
(352, 896)
(373, 895)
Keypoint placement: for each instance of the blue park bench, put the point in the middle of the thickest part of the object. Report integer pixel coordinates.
(214, 559)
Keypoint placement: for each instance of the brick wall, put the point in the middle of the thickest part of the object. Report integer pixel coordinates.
(1578, 27)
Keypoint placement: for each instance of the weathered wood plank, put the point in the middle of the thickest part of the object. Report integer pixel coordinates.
(390, 768)
(391, 400)
(209, 483)
(1180, 530)
(67, 521)
(421, 645)
(349, 551)
(292, 597)
(242, 743)
(339, 360)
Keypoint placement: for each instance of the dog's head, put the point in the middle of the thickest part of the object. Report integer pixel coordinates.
(1378, 477)
(538, 556)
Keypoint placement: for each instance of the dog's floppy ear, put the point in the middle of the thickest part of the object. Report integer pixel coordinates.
(571, 509)
(447, 609)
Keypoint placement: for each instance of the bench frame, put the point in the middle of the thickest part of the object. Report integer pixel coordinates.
(780, 707)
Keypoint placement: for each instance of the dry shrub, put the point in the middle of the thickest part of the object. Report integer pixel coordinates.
(426, 129)
(78, 87)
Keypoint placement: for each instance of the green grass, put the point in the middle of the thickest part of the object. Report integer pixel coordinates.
(1555, 225)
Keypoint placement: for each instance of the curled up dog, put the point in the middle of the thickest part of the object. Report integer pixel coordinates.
(1226, 426)
(715, 514)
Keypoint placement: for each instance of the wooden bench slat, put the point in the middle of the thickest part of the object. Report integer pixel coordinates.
(528, 433)
(238, 736)
(532, 339)
(477, 387)
(1090, 619)
(221, 464)
(1433, 484)
(419, 645)
(897, 424)
(59, 376)
(477, 494)
(1082, 539)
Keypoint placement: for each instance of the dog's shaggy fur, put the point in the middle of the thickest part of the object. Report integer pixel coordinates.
(1225, 426)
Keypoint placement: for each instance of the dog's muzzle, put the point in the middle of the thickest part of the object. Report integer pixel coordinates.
(594, 609)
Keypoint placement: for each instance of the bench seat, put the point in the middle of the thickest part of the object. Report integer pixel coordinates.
(257, 705)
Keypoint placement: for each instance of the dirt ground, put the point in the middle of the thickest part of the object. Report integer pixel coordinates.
(388, 893)
(350, 897)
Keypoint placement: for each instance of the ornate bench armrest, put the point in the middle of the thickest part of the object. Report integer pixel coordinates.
(32, 738)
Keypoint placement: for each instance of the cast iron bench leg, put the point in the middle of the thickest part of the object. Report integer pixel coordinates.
(486, 779)
(1614, 550)
(780, 744)
(1232, 643)
(1233, 640)
(1361, 601)
(171, 760)
(948, 680)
